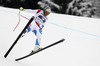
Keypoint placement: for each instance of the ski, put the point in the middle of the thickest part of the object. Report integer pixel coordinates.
(40, 50)
(18, 37)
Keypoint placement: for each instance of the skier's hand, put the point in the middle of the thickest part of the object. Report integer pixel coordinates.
(22, 9)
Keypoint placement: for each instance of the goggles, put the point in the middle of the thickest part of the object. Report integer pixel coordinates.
(47, 13)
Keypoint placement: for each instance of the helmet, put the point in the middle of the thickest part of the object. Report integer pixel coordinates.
(47, 10)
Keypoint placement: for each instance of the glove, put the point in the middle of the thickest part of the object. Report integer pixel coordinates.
(22, 9)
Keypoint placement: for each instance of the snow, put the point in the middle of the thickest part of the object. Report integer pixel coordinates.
(80, 48)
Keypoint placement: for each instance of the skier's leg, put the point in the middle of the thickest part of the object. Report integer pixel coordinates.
(26, 31)
(29, 28)
(38, 37)
(38, 34)
(37, 31)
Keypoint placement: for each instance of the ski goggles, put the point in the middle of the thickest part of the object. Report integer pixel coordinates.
(47, 13)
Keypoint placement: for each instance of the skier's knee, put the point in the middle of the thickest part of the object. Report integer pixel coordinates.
(40, 31)
(34, 31)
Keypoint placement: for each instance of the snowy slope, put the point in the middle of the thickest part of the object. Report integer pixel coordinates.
(80, 48)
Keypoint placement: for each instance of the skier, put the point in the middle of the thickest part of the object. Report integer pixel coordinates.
(37, 24)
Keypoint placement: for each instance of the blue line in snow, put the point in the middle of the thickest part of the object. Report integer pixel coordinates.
(74, 29)
(8, 11)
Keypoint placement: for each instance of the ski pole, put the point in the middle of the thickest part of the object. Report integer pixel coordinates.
(18, 21)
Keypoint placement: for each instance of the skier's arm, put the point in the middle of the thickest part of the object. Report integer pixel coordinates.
(28, 10)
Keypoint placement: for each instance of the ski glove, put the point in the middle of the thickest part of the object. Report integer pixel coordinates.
(22, 9)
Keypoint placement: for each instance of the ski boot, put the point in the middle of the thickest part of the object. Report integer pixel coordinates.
(36, 48)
